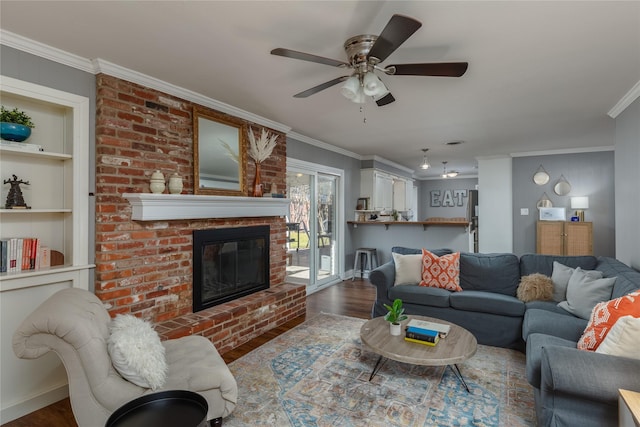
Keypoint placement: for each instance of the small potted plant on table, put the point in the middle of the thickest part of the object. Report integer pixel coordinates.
(15, 125)
(395, 316)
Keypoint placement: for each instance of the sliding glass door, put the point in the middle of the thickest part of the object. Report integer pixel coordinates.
(313, 255)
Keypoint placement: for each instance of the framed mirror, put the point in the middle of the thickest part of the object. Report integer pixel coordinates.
(562, 187)
(218, 154)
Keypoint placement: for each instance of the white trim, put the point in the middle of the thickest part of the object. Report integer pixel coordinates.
(625, 101)
(563, 151)
(314, 168)
(433, 178)
(45, 51)
(388, 162)
(323, 145)
(38, 401)
(102, 66)
(157, 207)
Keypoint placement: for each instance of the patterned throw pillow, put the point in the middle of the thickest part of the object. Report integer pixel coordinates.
(605, 315)
(441, 272)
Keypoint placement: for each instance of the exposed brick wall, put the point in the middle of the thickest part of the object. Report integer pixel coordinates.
(145, 267)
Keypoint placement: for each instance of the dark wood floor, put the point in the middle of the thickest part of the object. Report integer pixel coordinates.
(347, 298)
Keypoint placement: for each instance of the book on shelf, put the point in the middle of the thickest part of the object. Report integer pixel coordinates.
(429, 343)
(422, 337)
(22, 254)
(442, 328)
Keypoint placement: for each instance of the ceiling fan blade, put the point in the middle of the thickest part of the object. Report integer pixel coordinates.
(318, 88)
(387, 99)
(442, 69)
(397, 31)
(288, 53)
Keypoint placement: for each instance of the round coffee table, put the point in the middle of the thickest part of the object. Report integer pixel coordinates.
(458, 346)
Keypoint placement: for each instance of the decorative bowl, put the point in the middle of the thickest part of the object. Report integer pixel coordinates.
(14, 132)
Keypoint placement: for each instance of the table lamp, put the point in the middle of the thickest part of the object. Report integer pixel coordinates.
(580, 204)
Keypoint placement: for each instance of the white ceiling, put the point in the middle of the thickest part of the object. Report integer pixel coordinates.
(542, 75)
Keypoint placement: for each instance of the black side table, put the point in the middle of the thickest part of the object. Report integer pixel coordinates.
(174, 408)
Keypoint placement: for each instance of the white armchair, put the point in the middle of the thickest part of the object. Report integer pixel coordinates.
(74, 324)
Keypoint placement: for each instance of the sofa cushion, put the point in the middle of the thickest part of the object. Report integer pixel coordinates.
(627, 279)
(561, 276)
(535, 343)
(623, 340)
(408, 251)
(543, 264)
(604, 316)
(547, 322)
(499, 273)
(408, 268)
(535, 287)
(414, 294)
(487, 302)
(584, 292)
(441, 271)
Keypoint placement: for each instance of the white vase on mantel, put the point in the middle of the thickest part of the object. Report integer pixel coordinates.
(175, 184)
(156, 184)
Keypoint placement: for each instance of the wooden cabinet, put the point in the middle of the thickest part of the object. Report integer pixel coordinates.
(564, 238)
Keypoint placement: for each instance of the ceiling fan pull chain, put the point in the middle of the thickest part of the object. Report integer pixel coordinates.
(364, 113)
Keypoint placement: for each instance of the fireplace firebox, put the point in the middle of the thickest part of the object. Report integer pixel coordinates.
(229, 263)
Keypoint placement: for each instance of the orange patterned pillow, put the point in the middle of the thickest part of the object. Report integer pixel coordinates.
(441, 272)
(604, 316)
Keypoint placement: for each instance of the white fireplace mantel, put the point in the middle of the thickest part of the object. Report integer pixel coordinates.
(155, 207)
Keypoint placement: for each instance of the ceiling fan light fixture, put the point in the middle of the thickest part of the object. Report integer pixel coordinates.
(351, 88)
(452, 174)
(372, 85)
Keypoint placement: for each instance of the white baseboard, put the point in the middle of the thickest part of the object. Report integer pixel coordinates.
(27, 406)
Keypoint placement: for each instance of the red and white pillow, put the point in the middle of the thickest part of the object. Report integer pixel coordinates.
(604, 315)
(441, 272)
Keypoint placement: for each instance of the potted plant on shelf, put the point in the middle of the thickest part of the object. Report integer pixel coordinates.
(15, 125)
(394, 316)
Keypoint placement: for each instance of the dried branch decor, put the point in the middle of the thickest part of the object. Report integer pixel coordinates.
(261, 149)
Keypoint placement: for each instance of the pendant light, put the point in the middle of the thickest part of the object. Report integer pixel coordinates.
(450, 174)
(425, 162)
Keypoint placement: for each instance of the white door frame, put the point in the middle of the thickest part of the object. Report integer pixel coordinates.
(295, 165)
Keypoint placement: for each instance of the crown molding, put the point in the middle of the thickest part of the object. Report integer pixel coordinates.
(388, 163)
(106, 67)
(325, 146)
(42, 50)
(626, 100)
(564, 151)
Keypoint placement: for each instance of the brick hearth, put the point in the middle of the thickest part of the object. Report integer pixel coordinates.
(145, 267)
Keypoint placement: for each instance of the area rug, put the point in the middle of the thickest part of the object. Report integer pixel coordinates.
(317, 374)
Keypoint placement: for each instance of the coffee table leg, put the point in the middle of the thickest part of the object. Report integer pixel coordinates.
(378, 366)
(457, 373)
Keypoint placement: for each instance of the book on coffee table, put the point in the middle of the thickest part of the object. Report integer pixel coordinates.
(429, 343)
(417, 325)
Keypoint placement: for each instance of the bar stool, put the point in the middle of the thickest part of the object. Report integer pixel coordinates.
(364, 257)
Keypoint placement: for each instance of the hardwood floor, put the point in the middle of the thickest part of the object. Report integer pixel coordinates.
(346, 298)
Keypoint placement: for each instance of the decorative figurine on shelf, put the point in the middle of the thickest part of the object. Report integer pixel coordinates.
(14, 198)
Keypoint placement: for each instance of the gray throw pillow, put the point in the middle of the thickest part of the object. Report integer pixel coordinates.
(584, 292)
(560, 278)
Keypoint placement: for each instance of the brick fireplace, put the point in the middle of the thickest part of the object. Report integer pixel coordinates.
(145, 267)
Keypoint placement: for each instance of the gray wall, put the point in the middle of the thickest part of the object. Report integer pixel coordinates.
(590, 174)
(627, 192)
(34, 69)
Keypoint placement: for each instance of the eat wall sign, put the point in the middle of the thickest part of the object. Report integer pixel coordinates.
(447, 198)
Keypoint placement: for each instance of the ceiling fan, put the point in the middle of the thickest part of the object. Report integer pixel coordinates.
(365, 53)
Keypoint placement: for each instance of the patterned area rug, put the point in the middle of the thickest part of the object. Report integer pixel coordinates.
(317, 374)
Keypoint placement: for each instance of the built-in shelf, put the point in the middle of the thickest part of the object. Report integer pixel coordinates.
(155, 207)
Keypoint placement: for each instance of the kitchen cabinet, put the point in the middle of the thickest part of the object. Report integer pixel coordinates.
(386, 191)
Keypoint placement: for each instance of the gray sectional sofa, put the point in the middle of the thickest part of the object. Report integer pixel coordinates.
(572, 387)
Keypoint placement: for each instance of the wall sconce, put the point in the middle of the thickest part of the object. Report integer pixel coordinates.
(580, 204)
